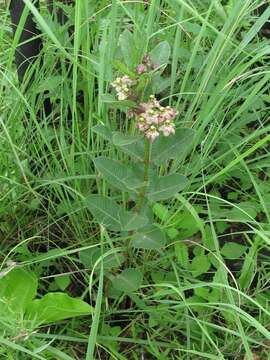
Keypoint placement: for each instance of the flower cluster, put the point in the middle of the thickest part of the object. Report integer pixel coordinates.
(153, 119)
(122, 86)
(146, 65)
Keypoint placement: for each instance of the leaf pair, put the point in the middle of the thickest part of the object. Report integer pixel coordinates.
(163, 149)
(125, 179)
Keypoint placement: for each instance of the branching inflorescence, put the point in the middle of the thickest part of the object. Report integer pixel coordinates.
(152, 119)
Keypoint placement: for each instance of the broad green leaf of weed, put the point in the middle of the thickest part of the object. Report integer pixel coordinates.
(18, 288)
(128, 281)
(232, 250)
(55, 307)
(200, 265)
(150, 237)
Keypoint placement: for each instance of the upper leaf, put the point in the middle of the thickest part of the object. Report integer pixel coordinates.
(103, 131)
(165, 187)
(172, 147)
(131, 145)
(120, 139)
(117, 174)
(126, 42)
(232, 250)
(161, 53)
(108, 213)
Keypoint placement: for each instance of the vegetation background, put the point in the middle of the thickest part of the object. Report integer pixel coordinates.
(203, 295)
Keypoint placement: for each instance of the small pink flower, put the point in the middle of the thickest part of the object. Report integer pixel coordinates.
(167, 129)
(146, 59)
(141, 69)
(153, 119)
(152, 133)
(155, 66)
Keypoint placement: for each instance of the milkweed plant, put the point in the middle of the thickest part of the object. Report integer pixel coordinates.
(153, 145)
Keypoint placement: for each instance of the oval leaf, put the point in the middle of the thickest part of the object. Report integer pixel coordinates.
(120, 139)
(18, 287)
(172, 147)
(111, 215)
(128, 281)
(103, 131)
(57, 306)
(117, 174)
(200, 265)
(233, 250)
(90, 256)
(161, 53)
(150, 237)
(166, 187)
(131, 145)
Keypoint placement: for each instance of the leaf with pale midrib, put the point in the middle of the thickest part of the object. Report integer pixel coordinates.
(166, 187)
(111, 215)
(150, 237)
(128, 281)
(172, 147)
(117, 174)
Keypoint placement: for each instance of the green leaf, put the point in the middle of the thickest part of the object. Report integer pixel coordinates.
(200, 265)
(124, 69)
(128, 281)
(120, 139)
(248, 270)
(57, 306)
(90, 256)
(161, 212)
(131, 145)
(113, 102)
(181, 252)
(62, 282)
(117, 174)
(127, 44)
(232, 250)
(161, 53)
(111, 215)
(165, 187)
(103, 131)
(17, 288)
(52, 83)
(172, 147)
(186, 223)
(150, 237)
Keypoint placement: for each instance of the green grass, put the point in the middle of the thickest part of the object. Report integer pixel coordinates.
(198, 300)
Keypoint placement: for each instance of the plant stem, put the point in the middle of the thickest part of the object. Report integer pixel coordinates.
(146, 161)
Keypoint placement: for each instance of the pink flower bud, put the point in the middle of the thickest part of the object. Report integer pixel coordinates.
(155, 66)
(152, 134)
(146, 59)
(141, 69)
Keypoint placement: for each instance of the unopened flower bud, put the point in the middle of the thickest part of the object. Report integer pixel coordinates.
(141, 68)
